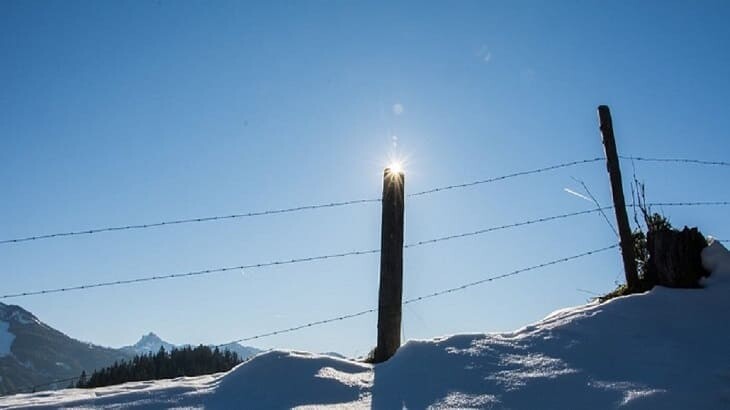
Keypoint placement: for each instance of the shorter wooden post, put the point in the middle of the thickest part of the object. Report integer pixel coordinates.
(619, 204)
(391, 266)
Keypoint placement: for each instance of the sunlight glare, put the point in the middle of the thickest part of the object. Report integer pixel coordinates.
(396, 167)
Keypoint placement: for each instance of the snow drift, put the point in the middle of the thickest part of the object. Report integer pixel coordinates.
(665, 349)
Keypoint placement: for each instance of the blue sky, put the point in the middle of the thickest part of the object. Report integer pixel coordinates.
(114, 113)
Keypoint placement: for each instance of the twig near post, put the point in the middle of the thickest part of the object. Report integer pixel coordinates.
(598, 205)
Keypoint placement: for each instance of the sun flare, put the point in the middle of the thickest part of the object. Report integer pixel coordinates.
(396, 167)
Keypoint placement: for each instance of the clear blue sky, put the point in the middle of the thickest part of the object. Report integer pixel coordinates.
(131, 112)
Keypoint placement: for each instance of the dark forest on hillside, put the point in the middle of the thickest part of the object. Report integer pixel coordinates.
(185, 361)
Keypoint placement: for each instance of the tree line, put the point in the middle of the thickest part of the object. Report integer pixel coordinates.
(184, 361)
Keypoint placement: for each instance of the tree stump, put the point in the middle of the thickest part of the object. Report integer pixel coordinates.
(674, 257)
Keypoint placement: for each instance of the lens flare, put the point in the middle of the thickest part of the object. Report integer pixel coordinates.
(396, 167)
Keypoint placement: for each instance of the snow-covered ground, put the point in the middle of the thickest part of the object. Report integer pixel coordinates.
(6, 338)
(666, 349)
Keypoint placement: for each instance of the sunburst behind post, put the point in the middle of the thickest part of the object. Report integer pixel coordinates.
(395, 167)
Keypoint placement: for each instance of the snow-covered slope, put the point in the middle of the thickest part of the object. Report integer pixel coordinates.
(667, 349)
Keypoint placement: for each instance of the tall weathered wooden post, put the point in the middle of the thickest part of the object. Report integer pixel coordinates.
(617, 190)
(391, 265)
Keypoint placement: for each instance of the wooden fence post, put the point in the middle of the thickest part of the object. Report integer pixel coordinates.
(391, 266)
(617, 190)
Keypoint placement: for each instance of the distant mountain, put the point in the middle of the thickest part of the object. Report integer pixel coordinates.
(244, 352)
(33, 353)
(151, 343)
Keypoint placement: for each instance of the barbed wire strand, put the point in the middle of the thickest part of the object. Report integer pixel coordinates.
(333, 256)
(696, 203)
(189, 220)
(292, 261)
(339, 204)
(506, 275)
(424, 297)
(501, 227)
(676, 160)
(189, 274)
(507, 176)
(367, 311)
(284, 210)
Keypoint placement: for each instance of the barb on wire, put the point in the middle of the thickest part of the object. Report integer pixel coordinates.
(699, 203)
(193, 273)
(300, 327)
(420, 298)
(505, 275)
(507, 176)
(680, 160)
(190, 220)
(501, 227)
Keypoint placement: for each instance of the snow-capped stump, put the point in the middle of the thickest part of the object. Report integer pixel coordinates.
(675, 257)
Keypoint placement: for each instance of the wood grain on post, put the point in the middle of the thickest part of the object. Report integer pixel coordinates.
(617, 190)
(391, 266)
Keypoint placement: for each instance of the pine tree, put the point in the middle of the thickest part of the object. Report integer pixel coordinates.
(82, 379)
(185, 361)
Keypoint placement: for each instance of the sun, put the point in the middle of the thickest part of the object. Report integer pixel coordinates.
(396, 167)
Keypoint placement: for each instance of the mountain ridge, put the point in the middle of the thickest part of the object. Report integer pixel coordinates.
(33, 353)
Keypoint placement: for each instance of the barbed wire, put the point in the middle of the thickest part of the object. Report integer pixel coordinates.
(551, 218)
(367, 311)
(189, 220)
(507, 176)
(342, 203)
(424, 297)
(501, 227)
(284, 210)
(189, 274)
(680, 160)
(696, 203)
(300, 327)
(289, 261)
(508, 274)
(335, 255)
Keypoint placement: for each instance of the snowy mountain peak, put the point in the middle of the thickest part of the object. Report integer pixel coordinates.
(150, 343)
(150, 337)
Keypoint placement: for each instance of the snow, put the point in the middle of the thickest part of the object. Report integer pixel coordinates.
(6, 338)
(667, 348)
(24, 319)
